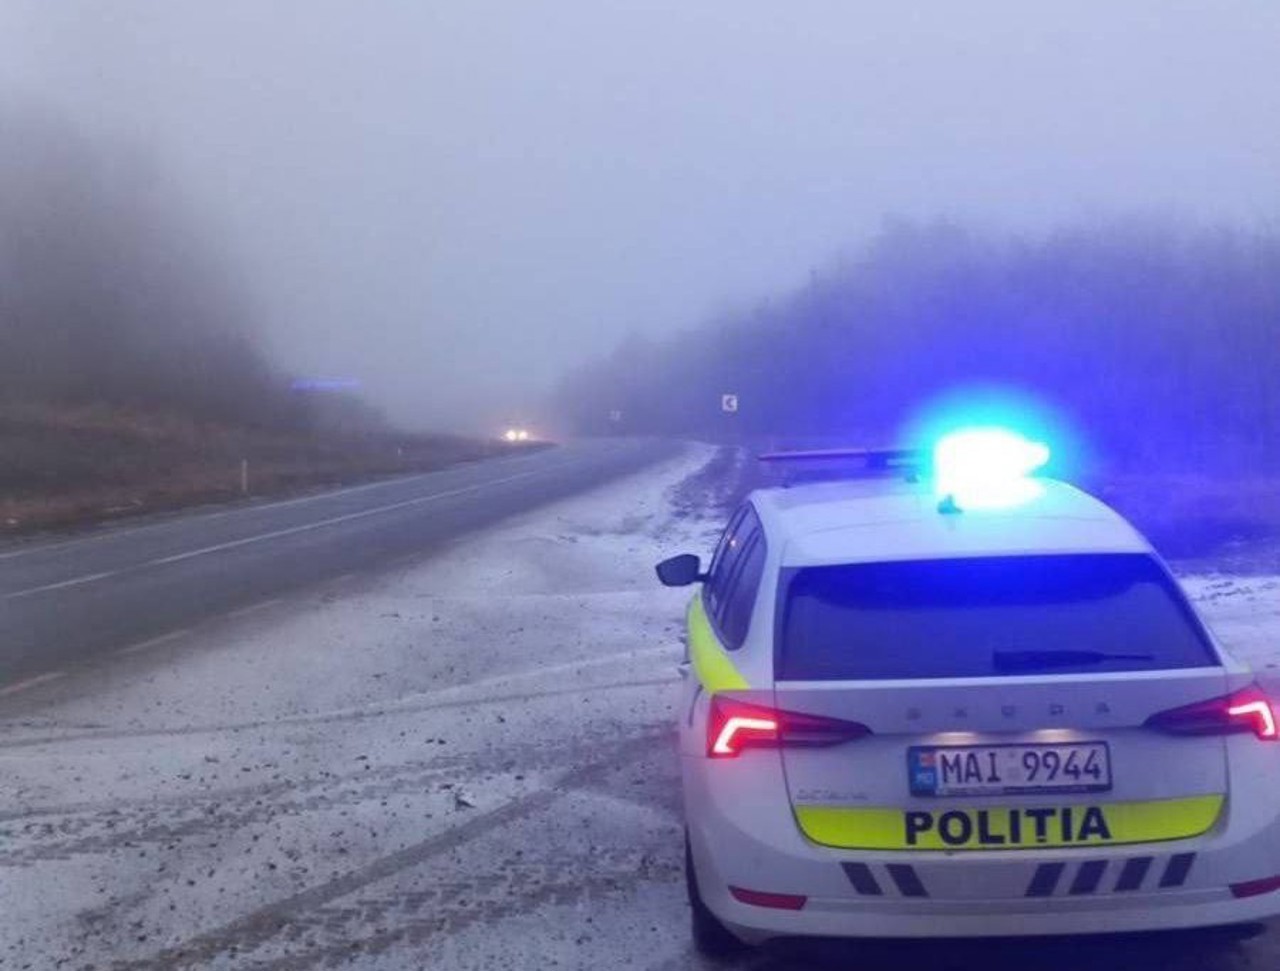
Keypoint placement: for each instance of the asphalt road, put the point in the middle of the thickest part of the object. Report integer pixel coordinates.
(67, 601)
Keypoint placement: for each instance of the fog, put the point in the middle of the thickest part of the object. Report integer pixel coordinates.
(457, 203)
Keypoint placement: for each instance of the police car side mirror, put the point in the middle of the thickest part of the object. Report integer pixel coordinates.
(680, 571)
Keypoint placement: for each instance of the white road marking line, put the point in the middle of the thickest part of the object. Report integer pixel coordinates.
(45, 678)
(279, 504)
(206, 517)
(260, 605)
(173, 635)
(73, 582)
(335, 520)
(291, 531)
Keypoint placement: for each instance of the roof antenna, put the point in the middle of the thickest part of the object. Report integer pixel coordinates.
(948, 506)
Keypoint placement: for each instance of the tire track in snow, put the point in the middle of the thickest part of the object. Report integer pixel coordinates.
(329, 718)
(260, 926)
(455, 905)
(216, 816)
(88, 829)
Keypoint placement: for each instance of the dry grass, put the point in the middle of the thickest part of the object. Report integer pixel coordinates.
(67, 467)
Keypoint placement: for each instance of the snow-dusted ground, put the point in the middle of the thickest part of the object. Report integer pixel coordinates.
(464, 762)
(1244, 614)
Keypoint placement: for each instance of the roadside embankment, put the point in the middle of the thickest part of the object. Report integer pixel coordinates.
(71, 467)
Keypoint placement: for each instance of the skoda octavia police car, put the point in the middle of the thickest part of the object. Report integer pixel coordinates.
(912, 711)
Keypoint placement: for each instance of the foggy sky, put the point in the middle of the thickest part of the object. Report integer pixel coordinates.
(453, 202)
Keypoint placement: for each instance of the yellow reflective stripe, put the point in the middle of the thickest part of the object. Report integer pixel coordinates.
(710, 662)
(1010, 827)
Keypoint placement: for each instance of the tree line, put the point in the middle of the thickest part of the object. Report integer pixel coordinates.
(1158, 342)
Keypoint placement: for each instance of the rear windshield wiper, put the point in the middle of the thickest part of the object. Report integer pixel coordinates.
(1037, 660)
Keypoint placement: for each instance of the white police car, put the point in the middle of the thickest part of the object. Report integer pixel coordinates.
(970, 705)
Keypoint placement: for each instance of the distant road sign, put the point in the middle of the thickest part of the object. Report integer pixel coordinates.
(729, 403)
(615, 415)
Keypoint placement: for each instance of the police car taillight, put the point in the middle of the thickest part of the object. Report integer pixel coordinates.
(1247, 710)
(736, 725)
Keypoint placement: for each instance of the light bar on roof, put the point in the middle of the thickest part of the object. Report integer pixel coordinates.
(843, 463)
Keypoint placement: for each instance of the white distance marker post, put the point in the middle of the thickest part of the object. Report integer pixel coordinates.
(729, 404)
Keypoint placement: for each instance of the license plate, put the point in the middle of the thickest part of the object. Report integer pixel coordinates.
(986, 770)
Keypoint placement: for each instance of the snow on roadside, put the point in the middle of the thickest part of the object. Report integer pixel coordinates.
(584, 563)
(157, 801)
(1244, 614)
(567, 590)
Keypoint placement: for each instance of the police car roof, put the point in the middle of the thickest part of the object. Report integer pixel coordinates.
(872, 520)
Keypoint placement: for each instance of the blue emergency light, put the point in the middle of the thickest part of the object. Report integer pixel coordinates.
(986, 468)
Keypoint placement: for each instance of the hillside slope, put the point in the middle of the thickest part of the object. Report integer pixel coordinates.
(71, 466)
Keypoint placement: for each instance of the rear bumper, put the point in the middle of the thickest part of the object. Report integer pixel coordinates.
(993, 918)
(742, 837)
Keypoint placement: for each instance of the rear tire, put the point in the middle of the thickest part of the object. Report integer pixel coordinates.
(711, 938)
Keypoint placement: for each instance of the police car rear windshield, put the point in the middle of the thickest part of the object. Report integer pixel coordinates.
(985, 617)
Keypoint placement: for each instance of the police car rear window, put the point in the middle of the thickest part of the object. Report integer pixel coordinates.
(979, 617)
